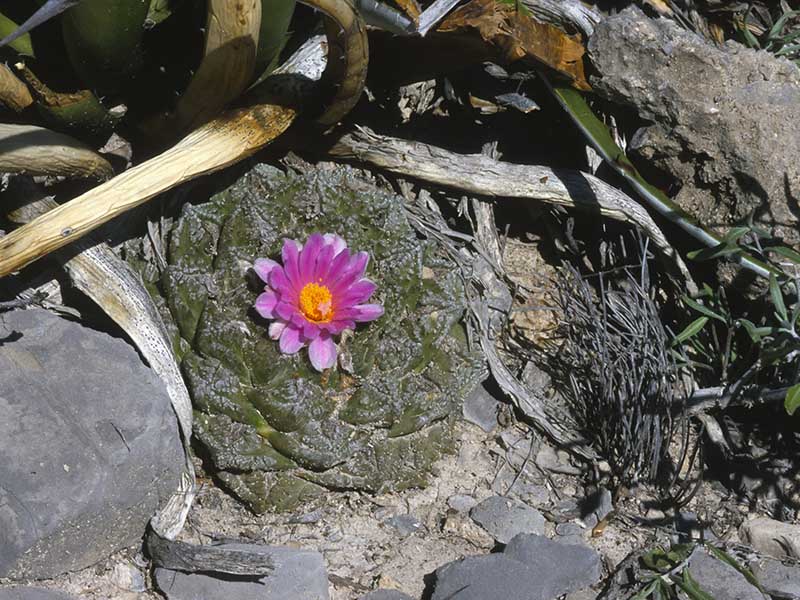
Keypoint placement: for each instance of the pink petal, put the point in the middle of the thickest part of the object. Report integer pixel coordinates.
(290, 341)
(308, 257)
(322, 352)
(357, 293)
(350, 274)
(368, 312)
(265, 304)
(279, 282)
(337, 242)
(338, 326)
(323, 264)
(276, 329)
(290, 254)
(311, 331)
(263, 266)
(285, 310)
(339, 263)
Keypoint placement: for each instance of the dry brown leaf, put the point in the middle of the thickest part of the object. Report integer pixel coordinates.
(410, 8)
(519, 36)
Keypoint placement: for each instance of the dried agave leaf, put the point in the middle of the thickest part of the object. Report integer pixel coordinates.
(520, 37)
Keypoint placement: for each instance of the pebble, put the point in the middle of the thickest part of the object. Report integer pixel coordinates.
(461, 502)
(298, 575)
(504, 518)
(405, 525)
(480, 408)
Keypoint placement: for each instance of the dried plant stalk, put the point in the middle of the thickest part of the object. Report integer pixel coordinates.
(13, 93)
(38, 151)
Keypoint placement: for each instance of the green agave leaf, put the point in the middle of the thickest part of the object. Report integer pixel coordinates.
(777, 300)
(792, 401)
(723, 556)
(692, 588)
(792, 255)
(691, 330)
(704, 310)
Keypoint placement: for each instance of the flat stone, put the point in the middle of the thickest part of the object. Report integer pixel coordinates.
(480, 408)
(772, 537)
(504, 518)
(560, 567)
(21, 592)
(461, 502)
(404, 524)
(386, 595)
(488, 577)
(89, 441)
(298, 575)
(777, 579)
(720, 580)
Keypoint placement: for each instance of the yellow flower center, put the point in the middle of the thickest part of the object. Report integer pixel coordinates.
(316, 303)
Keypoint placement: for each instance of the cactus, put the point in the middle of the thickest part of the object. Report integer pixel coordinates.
(277, 430)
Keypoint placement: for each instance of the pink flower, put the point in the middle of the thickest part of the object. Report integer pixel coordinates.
(318, 292)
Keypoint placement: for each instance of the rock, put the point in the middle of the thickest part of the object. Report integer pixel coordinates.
(298, 575)
(560, 568)
(277, 431)
(480, 408)
(556, 461)
(386, 595)
(720, 580)
(489, 577)
(127, 577)
(772, 537)
(582, 595)
(89, 441)
(504, 518)
(688, 526)
(778, 580)
(570, 533)
(726, 119)
(461, 502)
(404, 524)
(21, 592)
(460, 525)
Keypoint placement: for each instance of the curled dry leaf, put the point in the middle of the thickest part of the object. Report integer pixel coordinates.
(518, 36)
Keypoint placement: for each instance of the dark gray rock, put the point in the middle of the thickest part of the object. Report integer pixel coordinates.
(22, 592)
(489, 577)
(386, 595)
(89, 441)
(480, 408)
(720, 580)
(504, 518)
(777, 579)
(298, 575)
(560, 568)
(726, 119)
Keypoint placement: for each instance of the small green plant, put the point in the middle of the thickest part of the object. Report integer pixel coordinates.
(666, 571)
(736, 350)
(776, 30)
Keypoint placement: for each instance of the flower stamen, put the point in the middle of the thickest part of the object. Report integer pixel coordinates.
(316, 303)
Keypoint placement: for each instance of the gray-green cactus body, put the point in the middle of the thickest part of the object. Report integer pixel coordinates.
(276, 429)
